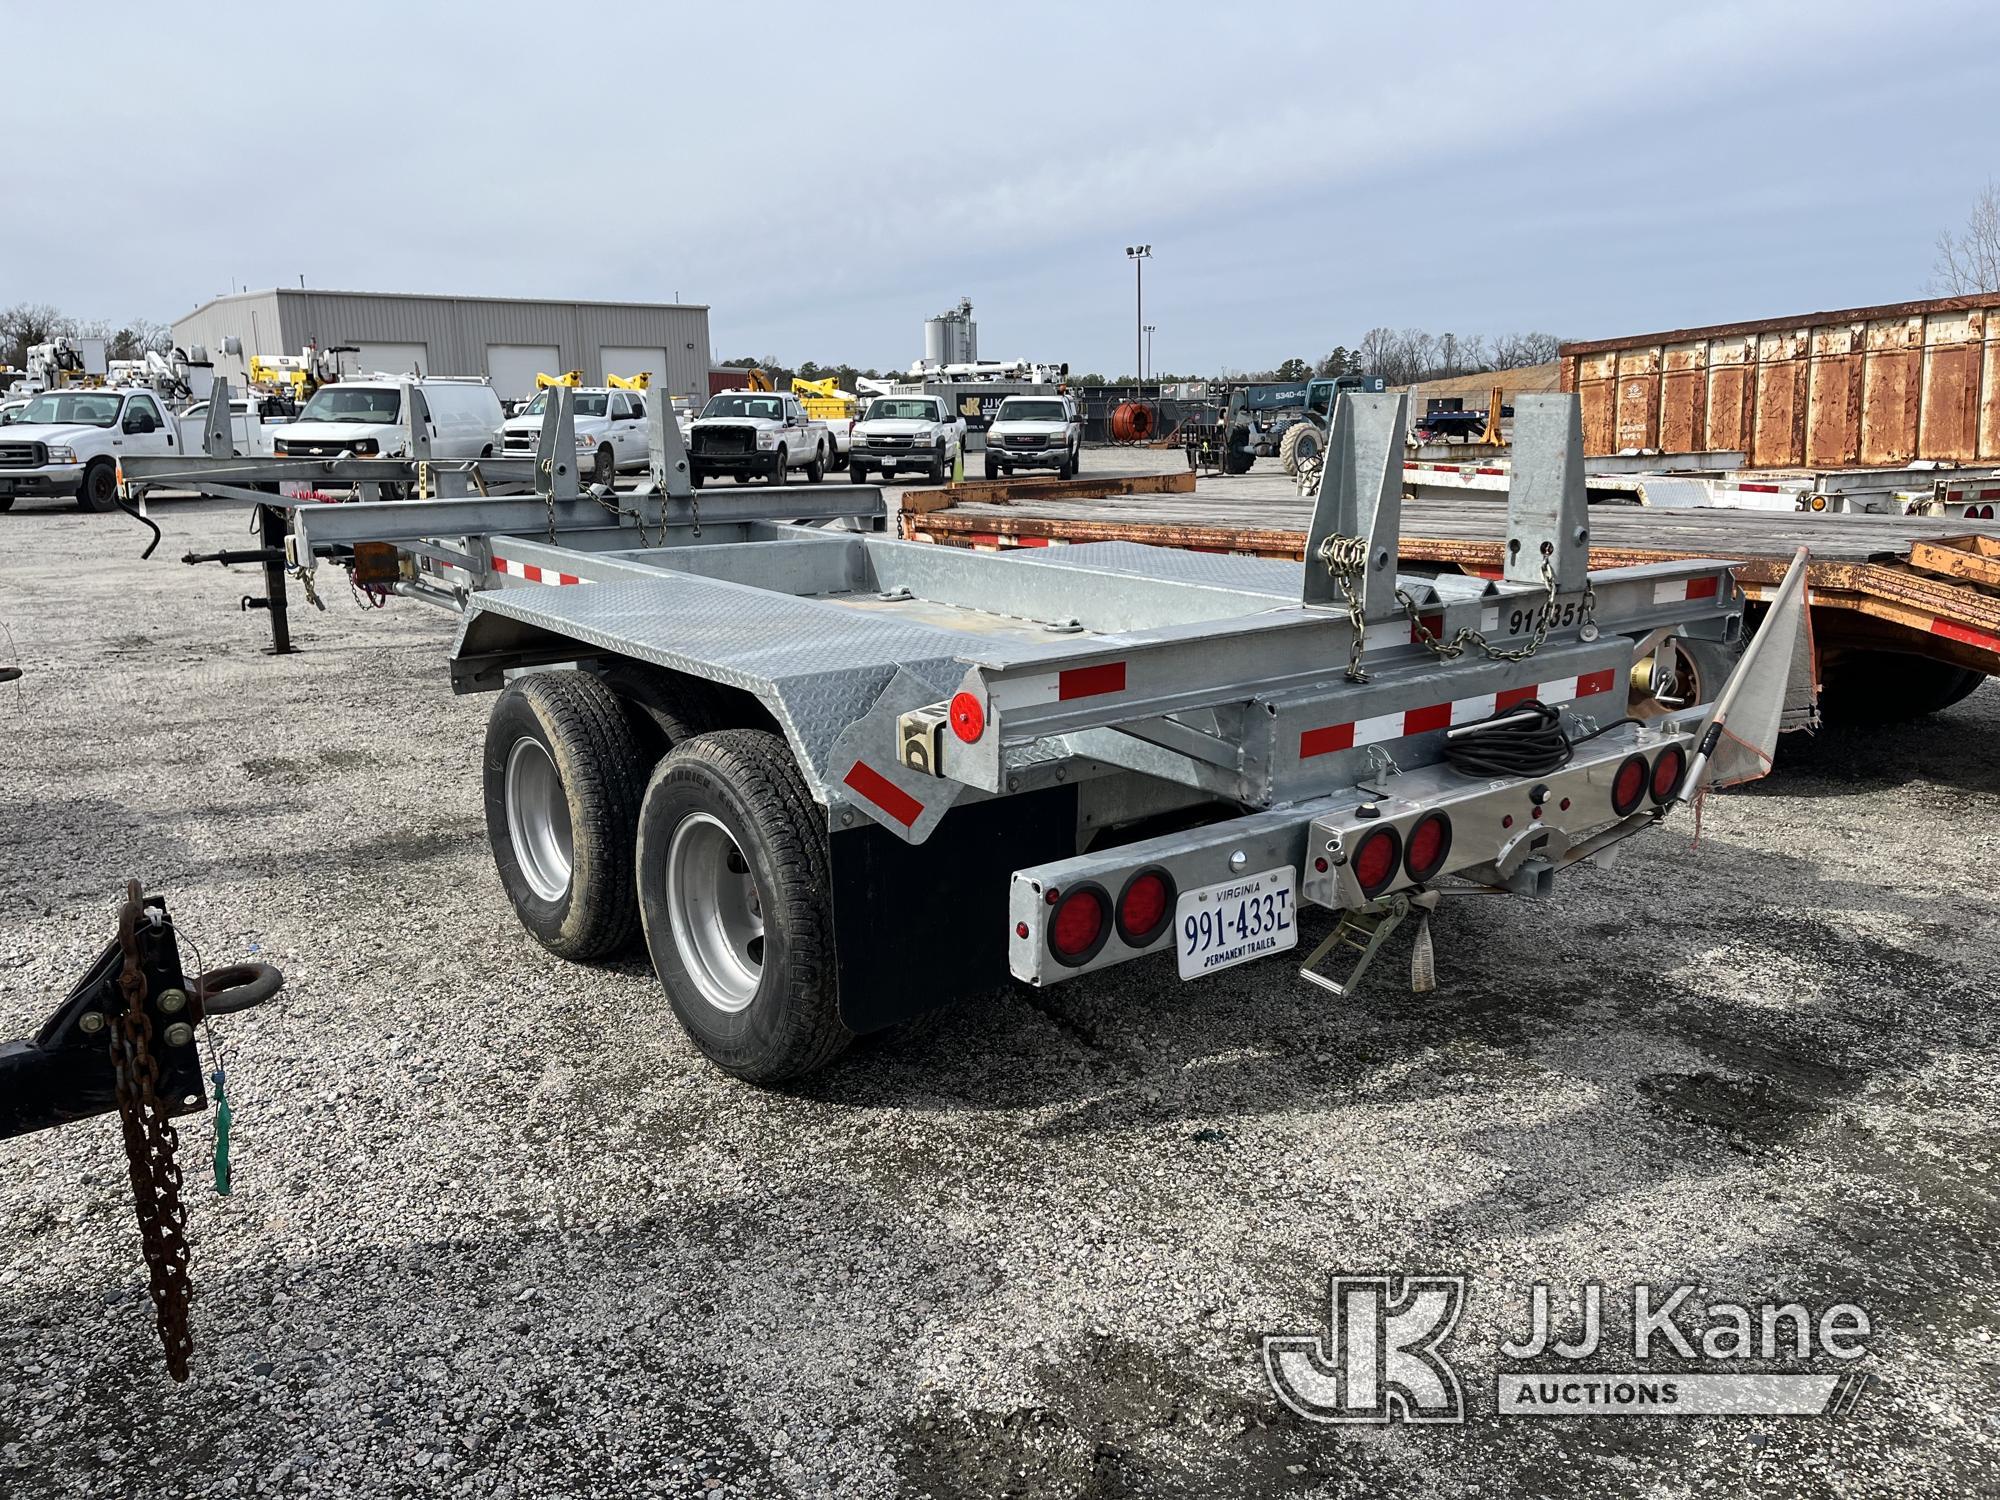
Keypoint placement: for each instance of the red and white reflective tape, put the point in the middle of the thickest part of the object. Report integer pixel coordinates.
(1384, 727)
(995, 541)
(531, 572)
(871, 785)
(1965, 635)
(1677, 590)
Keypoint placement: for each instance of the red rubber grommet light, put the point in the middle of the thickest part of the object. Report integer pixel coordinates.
(1428, 847)
(1628, 787)
(968, 717)
(1145, 906)
(1079, 925)
(1667, 773)
(1376, 861)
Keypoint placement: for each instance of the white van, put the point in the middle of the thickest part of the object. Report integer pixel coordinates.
(370, 418)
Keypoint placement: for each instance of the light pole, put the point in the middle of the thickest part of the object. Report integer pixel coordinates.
(1139, 255)
(1148, 365)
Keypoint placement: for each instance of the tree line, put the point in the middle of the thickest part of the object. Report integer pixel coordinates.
(26, 324)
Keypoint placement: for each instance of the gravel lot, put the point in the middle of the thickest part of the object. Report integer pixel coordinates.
(499, 1230)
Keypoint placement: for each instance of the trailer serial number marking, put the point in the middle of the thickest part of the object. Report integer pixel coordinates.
(1235, 921)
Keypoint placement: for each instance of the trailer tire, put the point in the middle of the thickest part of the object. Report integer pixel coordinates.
(734, 893)
(1890, 687)
(1301, 441)
(564, 777)
(664, 708)
(99, 490)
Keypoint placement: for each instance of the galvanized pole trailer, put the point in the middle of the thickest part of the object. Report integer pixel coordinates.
(836, 779)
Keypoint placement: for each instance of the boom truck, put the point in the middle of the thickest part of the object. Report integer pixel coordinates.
(832, 779)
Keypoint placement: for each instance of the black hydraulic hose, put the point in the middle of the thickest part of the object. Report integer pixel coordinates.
(145, 521)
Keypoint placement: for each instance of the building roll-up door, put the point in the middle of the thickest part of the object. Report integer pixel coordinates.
(390, 359)
(513, 367)
(618, 360)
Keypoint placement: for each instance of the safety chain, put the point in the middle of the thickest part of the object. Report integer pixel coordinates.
(1346, 558)
(305, 578)
(1466, 635)
(150, 1143)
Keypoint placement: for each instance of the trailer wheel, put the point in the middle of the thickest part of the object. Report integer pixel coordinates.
(99, 490)
(563, 783)
(734, 894)
(1890, 687)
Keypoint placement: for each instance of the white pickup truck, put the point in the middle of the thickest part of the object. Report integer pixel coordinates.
(610, 431)
(68, 443)
(906, 432)
(763, 433)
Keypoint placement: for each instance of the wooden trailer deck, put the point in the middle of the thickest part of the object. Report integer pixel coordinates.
(1895, 583)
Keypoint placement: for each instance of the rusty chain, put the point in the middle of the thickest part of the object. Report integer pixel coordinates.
(1466, 635)
(1346, 558)
(150, 1144)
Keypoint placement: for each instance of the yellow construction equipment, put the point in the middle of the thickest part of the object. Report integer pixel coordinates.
(568, 377)
(757, 380)
(825, 401)
(642, 381)
(281, 372)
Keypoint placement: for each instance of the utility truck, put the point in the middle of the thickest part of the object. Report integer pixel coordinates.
(832, 780)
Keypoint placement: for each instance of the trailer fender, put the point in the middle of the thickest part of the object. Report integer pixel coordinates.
(865, 776)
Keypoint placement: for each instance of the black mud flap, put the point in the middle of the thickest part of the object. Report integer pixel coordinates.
(918, 925)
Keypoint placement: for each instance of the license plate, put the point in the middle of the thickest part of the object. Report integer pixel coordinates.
(1229, 923)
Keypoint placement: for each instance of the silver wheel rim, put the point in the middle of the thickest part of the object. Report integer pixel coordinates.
(717, 917)
(538, 819)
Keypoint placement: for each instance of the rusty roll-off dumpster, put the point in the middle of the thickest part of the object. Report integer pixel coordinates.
(1867, 386)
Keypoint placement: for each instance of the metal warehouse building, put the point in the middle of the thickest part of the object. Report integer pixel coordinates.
(509, 339)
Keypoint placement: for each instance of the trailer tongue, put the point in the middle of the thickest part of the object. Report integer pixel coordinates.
(838, 778)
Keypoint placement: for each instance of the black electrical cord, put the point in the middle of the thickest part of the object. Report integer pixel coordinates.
(1525, 740)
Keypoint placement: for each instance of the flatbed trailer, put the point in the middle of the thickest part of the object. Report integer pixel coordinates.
(1905, 609)
(836, 779)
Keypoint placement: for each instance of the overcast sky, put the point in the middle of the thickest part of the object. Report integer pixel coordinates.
(827, 177)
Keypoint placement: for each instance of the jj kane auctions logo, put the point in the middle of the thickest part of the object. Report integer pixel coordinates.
(1381, 1357)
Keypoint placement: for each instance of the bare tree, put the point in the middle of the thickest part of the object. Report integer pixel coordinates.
(1518, 350)
(1969, 261)
(26, 324)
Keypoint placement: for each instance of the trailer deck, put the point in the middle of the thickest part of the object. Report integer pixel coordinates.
(1869, 584)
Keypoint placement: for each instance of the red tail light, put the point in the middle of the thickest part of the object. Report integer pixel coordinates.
(1144, 906)
(1376, 859)
(1079, 925)
(1425, 850)
(1667, 772)
(1628, 787)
